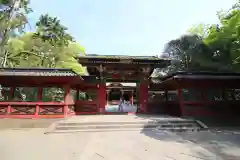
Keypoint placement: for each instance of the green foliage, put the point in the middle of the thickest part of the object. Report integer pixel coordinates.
(213, 47)
(50, 46)
(13, 19)
(51, 30)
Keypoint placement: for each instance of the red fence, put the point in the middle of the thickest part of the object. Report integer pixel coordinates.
(32, 109)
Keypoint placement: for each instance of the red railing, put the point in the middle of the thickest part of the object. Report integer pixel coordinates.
(33, 109)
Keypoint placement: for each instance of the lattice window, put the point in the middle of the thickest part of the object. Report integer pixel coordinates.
(28, 94)
(214, 94)
(5, 94)
(53, 94)
(192, 94)
(82, 95)
(237, 94)
(156, 96)
(232, 94)
(229, 94)
(172, 95)
(90, 95)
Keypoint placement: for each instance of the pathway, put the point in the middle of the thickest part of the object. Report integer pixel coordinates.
(33, 144)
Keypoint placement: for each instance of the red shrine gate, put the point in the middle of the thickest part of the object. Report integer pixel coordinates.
(57, 93)
(136, 69)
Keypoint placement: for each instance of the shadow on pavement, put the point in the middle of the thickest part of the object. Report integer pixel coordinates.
(222, 138)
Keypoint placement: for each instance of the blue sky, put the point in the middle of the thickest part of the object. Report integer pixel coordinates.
(128, 27)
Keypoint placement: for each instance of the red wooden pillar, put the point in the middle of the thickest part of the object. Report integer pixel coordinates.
(143, 97)
(66, 100)
(180, 99)
(102, 97)
(107, 97)
(12, 90)
(39, 99)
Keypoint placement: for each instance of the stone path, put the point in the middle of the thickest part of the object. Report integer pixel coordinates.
(33, 144)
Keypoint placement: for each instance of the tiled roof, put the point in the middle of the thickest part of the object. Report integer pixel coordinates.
(123, 57)
(197, 75)
(36, 72)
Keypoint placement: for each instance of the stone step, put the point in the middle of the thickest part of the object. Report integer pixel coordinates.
(180, 129)
(172, 127)
(126, 123)
(180, 125)
(101, 123)
(98, 130)
(138, 129)
(105, 126)
(160, 125)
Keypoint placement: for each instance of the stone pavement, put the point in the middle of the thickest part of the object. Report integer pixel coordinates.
(33, 144)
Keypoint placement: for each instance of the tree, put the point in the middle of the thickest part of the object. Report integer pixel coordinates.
(30, 51)
(213, 47)
(50, 29)
(188, 53)
(200, 29)
(49, 47)
(224, 39)
(12, 21)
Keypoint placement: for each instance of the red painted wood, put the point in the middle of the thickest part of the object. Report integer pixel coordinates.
(85, 86)
(35, 103)
(39, 97)
(31, 103)
(9, 109)
(86, 113)
(86, 102)
(102, 97)
(210, 102)
(203, 91)
(31, 116)
(37, 110)
(180, 96)
(143, 97)
(36, 81)
(67, 99)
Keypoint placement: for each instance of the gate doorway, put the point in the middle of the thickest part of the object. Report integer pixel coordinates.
(120, 98)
